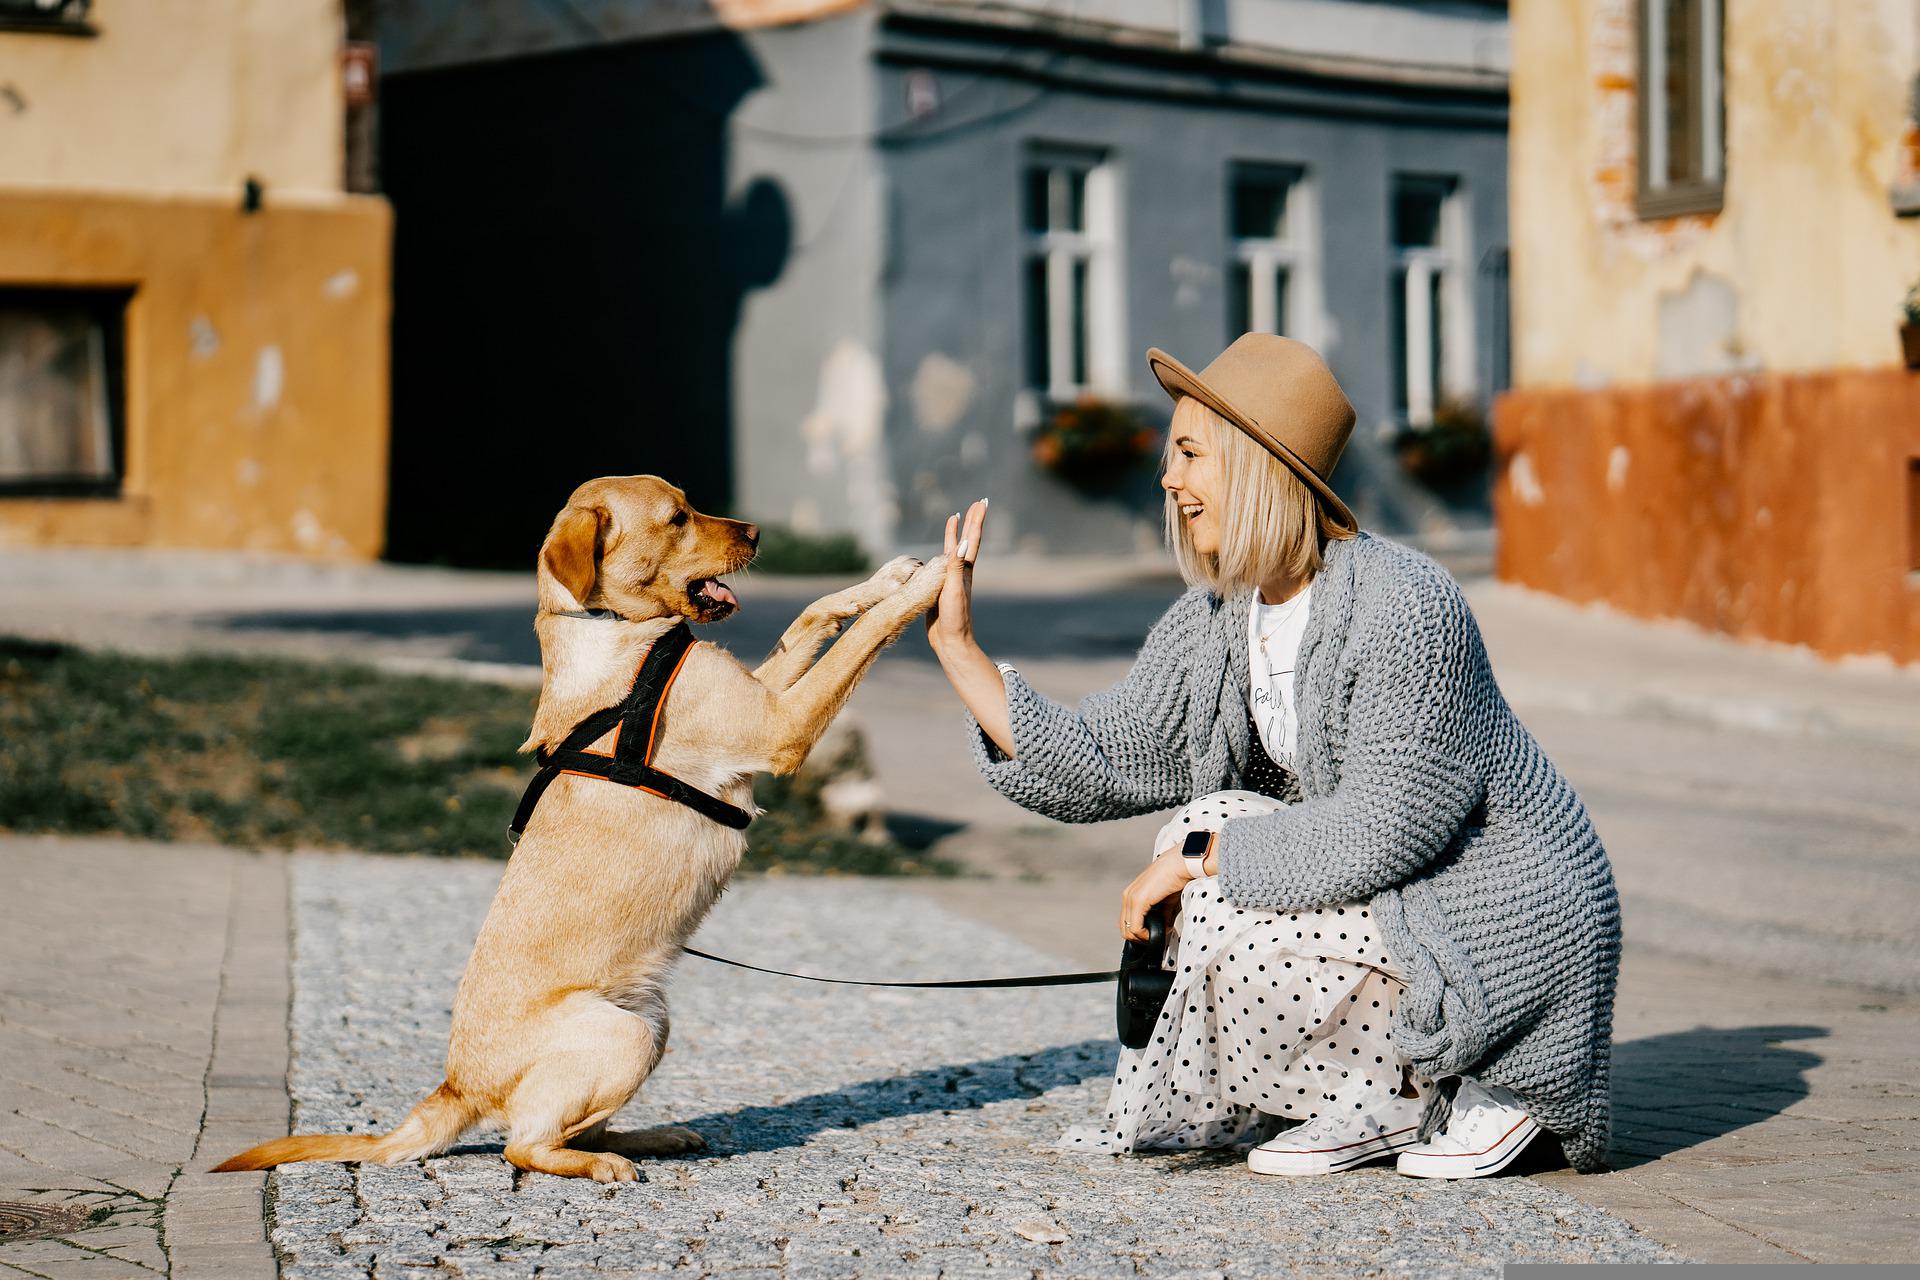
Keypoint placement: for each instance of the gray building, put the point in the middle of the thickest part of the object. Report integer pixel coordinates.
(836, 272)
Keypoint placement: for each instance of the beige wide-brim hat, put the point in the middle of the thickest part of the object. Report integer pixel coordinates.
(1281, 393)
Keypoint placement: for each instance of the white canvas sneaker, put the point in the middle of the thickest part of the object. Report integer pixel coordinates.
(1487, 1130)
(1332, 1143)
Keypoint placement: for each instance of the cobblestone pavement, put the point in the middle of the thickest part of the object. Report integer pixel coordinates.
(851, 1132)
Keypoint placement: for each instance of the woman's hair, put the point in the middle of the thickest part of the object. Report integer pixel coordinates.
(1270, 521)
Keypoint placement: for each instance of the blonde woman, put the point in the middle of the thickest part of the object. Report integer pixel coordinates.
(1396, 926)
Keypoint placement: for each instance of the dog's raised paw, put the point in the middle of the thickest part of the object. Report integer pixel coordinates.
(896, 572)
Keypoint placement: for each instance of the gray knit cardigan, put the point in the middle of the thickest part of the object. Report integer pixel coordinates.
(1419, 790)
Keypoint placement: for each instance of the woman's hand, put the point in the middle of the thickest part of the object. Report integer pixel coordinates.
(970, 671)
(950, 621)
(1164, 878)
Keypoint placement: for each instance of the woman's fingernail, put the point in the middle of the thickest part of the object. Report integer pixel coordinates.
(961, 550)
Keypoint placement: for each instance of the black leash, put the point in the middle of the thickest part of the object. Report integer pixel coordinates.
(1043, 980)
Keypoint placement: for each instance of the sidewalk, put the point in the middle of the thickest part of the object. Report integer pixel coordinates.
(852, 1132)
(143, 998)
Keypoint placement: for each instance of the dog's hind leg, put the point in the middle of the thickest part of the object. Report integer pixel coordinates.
(594, 1056)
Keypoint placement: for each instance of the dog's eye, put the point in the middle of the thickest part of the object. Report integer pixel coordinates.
(678, 517)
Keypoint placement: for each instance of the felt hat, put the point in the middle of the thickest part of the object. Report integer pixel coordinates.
(1281, 393)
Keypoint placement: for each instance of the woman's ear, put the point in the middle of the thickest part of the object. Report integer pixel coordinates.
(572, 551)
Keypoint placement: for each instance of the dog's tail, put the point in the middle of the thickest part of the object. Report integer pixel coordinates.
(442, 1116)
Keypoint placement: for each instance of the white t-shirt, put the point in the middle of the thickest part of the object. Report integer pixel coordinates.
(1273, 643)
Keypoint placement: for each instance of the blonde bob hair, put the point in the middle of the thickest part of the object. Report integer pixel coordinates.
(1271, 525)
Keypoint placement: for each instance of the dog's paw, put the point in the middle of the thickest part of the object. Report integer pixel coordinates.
(895, 573)
(925, 584)
(608, 1167)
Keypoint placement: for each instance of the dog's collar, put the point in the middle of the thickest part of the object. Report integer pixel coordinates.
(591, 615)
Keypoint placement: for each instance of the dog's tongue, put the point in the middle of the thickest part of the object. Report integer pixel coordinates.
(718, 590)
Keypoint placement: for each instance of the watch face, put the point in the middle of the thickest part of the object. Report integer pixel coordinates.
(1198, 842)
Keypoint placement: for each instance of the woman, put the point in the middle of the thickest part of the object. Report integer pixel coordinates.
(1381, 836)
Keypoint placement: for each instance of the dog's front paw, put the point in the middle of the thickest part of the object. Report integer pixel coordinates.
(894, 574)
(923, 588)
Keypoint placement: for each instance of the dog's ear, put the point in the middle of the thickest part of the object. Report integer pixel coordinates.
(572, 551)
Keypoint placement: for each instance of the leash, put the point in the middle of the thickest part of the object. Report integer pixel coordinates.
(630, 764)
(1041, 980)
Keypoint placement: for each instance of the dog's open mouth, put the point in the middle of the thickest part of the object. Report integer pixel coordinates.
(713, 598)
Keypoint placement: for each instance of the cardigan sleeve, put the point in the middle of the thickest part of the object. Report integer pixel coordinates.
(1121, 752)
(1410, 778)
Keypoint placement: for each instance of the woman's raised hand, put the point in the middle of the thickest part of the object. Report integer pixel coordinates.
(950, 621)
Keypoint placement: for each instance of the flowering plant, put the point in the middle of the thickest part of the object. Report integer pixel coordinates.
(1454, 447)
(1912, 305)
(1093, 443)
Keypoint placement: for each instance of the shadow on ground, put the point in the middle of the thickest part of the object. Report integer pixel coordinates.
(1678, 1090)
(1671, 1092)
(1111, 624)
(956, 1087)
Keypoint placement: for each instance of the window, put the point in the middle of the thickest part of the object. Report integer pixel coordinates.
(1273, 282)
(1071, 274)
(61, 396)
(1682, 108)
(1431, 297)
(62, 17)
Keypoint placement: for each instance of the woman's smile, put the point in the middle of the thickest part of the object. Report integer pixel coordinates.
(1191, 477)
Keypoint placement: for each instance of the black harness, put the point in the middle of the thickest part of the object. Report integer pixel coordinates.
(630, 763)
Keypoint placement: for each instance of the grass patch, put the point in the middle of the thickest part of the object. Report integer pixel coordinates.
(272, 752)
(785, 550)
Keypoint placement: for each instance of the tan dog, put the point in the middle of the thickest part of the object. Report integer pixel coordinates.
(562, 1013)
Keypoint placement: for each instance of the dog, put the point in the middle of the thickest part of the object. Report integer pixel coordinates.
(562, 1013)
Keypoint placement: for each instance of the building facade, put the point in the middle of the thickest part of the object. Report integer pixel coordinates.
(1714, 227)
(833, 266)
(193, 347)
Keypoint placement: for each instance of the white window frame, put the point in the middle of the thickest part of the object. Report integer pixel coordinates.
(1297, 252)
(1660, 195)
(1448, 261)
(1096, 244)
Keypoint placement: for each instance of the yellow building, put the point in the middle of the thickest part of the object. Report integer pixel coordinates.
(1713, 229)
(193, 312)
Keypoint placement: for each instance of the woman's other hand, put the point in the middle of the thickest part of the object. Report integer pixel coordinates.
(1164, 878)
(950, 621)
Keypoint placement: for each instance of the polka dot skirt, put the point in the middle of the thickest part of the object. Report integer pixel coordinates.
(1273, 1017)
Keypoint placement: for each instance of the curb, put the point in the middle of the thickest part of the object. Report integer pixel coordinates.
(215, 1224)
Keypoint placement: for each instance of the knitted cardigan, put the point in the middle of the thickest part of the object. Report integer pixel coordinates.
(1419, 790)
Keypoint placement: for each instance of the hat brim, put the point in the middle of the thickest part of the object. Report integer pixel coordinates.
(1177, 380)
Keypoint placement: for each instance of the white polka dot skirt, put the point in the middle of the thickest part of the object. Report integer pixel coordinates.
(1273, 1017)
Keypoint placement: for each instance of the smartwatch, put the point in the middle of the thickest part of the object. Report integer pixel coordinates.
(1194, 851)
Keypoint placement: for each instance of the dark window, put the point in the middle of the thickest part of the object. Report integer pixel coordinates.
(1682, 107)
(61, 17)
(62, 397)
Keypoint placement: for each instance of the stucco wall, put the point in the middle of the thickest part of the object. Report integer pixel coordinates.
(1770, 506)
(1803, 268)
(177, 96)
(256, 369)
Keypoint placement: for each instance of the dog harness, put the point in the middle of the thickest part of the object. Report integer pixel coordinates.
(636, 724)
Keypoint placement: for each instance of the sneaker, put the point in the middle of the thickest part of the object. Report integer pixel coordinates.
(1332, 1143)
(1487, 1130)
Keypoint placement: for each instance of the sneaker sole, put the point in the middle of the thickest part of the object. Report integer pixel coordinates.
(1306, 1164)
(1471, 1164)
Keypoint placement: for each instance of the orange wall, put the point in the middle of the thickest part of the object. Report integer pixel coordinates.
(1770, 506)
(256, 368)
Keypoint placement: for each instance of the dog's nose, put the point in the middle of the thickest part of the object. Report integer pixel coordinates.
(753, 535)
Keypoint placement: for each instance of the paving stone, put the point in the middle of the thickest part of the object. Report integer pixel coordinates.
(850, 1132)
